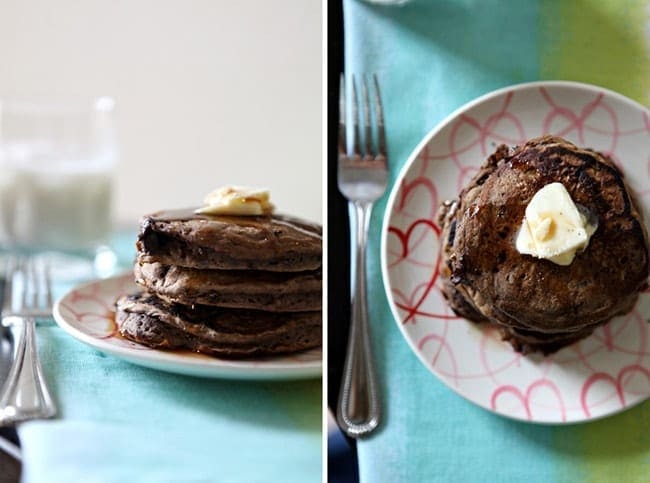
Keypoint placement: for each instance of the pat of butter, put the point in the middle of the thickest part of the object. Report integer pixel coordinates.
(553, 228)
(237, 200)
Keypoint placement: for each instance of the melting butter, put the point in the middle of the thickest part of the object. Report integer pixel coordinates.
(553, 227)
(237, 200)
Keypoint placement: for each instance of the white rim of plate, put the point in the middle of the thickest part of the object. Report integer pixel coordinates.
(197, 364)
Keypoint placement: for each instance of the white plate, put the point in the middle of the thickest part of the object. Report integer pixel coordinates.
(600, 375)
(86, 313)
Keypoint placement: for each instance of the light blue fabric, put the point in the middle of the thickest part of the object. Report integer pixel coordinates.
(431, 57)
(119, 422)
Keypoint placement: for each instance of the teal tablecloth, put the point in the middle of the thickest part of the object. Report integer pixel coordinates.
(119, 422)
(431, 57)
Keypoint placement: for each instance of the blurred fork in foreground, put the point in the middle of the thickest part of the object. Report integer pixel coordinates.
(362, 179)
(25, 394)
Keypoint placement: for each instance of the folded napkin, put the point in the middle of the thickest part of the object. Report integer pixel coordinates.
(431, 57)
(121, 422)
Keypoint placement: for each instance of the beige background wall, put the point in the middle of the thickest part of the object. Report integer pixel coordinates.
(208, 92)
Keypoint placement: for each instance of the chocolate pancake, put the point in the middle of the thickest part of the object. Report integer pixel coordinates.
(541, 305)
(270, 291)
(148, 320)
(274, 243)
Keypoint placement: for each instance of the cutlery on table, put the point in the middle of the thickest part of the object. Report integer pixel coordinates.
(25, 394)
(362, 179)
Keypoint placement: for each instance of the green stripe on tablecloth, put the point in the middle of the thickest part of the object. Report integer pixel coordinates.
(293, 404)
(601, 42)
(612, 449)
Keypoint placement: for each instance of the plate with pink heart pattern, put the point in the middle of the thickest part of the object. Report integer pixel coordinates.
(598, 376)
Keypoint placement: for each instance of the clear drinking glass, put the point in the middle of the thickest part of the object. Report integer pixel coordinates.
(56, 175)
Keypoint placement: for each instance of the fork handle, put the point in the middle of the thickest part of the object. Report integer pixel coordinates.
(358, 406)
(25, 394)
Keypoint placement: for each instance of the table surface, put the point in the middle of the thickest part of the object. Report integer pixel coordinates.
(201, 429)
(432, 57)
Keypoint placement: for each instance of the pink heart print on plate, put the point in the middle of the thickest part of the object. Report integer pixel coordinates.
(90, 308)
(601, 375)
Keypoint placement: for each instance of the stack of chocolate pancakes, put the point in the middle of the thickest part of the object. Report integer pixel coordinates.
(539, 305)
(229, 286)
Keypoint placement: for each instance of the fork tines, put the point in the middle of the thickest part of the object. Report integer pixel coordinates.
(31, 279)
(368, 152)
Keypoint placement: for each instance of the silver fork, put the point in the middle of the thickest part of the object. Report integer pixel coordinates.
(362, 179)
(25, 394)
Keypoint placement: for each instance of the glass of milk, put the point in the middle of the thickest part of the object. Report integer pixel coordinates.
(56, 175)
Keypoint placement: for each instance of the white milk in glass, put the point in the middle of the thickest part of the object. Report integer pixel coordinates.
(61, 208)
(56, 170)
